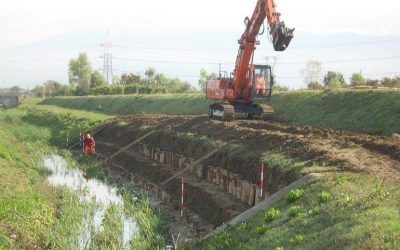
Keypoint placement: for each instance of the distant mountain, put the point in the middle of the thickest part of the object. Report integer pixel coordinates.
(184, 54)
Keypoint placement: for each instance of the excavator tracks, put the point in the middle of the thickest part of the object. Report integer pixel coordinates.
(266, 112)
(222, 112)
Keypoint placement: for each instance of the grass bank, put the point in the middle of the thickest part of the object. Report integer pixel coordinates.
(33, 214)
(368, 111)
(340, 211)
(135, 104)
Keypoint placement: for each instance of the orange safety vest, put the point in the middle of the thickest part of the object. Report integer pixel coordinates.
(90, 146)
(260, 82)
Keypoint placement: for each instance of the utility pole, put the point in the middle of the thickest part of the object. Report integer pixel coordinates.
(107, 57)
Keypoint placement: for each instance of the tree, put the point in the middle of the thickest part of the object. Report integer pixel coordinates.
(372, 82)
(97, 79)
(52, 88)
(80, 71)
(150, 74)
(130, 78)
(160, 79)
(357, 79)
(312, 72)
(315, 86)
(39, 91)
(204, 77)
(334, 80)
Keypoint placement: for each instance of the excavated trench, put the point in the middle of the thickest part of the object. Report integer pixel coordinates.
(226, 183)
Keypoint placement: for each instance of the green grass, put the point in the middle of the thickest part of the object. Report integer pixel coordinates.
(360, 213)
(135, 104)
(369, 111)
(40, 215)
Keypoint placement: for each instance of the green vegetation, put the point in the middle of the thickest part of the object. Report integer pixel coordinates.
(337, 211)
(294, 195)
(357, 215)
(33, 214)
(271, 214)
(369, 111)
(83, 80)
(373, 111)
(135, 104)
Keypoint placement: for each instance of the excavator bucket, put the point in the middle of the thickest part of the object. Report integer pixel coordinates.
(281, 36)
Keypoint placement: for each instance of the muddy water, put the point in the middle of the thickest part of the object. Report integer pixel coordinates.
(94, 192)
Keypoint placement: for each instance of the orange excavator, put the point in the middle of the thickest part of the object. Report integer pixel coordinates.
(237, 92)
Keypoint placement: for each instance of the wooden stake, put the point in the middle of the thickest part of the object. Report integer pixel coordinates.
(182, 194)
(262, 180)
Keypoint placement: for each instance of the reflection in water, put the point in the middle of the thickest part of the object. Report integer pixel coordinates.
(90, 191)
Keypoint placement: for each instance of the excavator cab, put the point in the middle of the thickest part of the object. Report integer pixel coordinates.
(261, 87)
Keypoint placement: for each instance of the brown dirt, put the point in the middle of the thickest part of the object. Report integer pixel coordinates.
(242, 145)
(344, 150)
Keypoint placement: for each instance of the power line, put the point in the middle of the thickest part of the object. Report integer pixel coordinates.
(346, 44)
(233, 49)
(172, 62)
(278, 63)
(348, 60)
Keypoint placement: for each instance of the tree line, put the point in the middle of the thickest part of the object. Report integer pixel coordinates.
(83, 80)
(315, 80)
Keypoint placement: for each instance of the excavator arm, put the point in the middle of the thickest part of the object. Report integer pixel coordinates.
(281, 37)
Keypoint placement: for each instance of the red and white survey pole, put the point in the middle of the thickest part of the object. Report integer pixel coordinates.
(182, 193)
(262, 180)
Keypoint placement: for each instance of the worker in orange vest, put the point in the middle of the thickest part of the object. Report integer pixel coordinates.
(260, 84)
(90, 145)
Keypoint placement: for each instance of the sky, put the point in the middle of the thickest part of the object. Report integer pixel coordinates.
(29, 21)
(24, 22)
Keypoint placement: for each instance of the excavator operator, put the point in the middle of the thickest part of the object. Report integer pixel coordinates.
(260, 84)
(89, 145)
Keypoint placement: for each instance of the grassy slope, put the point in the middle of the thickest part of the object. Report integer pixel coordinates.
(342, 211)
(372, 111)
(32, 211)
(133, 104)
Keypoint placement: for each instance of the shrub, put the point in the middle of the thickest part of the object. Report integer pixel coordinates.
(295, 211)
(294, 195)
(271, 214)
(324, 197)
(103, 90)
(297, 239)
(315, 211)
(117, 90)
(131, 89)
(144, 90)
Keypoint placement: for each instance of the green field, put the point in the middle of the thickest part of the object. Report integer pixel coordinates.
(368, 111)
